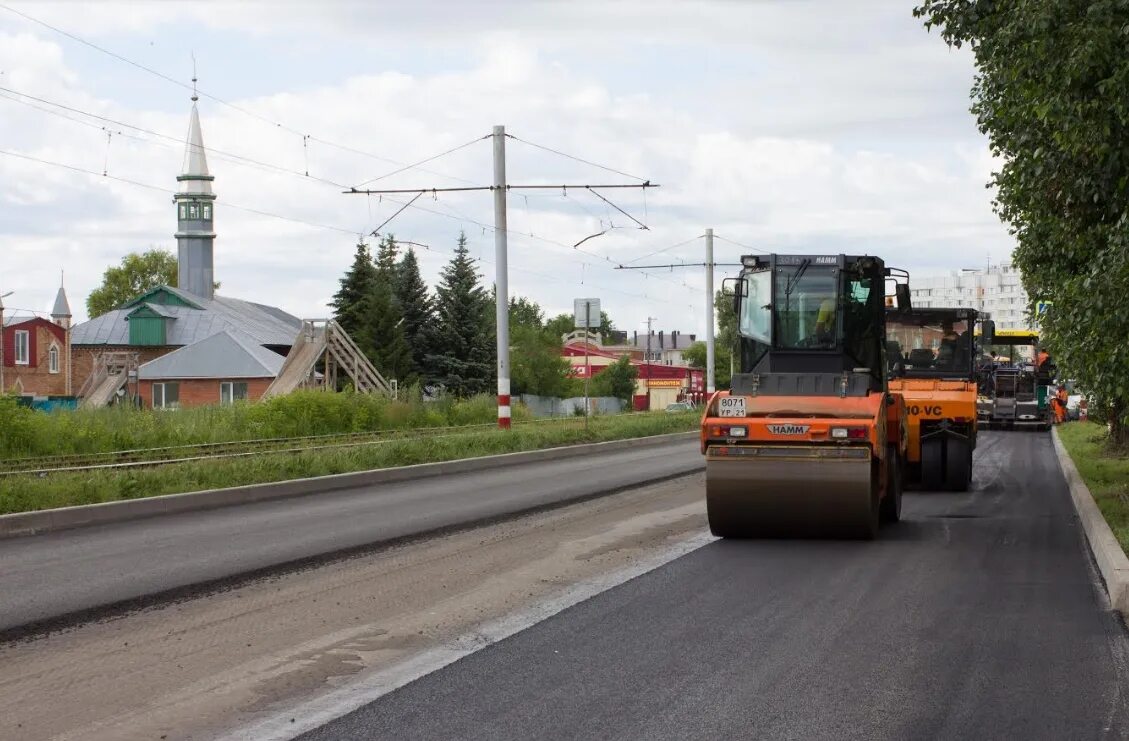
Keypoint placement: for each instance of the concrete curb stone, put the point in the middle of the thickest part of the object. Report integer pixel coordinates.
(1111, 559)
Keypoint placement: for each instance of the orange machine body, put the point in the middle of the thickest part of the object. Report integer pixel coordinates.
(929, 401)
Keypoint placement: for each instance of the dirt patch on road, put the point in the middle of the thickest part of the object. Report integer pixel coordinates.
(193, 669)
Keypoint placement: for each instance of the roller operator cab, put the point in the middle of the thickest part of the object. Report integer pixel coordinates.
(809, 440)
(931, 360)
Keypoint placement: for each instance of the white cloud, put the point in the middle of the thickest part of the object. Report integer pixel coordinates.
(802, 130)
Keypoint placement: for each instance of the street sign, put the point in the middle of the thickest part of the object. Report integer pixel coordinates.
(1041, 307)
(589, 320)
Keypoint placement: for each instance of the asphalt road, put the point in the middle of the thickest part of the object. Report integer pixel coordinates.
(48, 577)
(979, 616)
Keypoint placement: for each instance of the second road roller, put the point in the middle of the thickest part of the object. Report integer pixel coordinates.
(809, 441)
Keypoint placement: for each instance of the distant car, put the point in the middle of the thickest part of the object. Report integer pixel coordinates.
(679, 406)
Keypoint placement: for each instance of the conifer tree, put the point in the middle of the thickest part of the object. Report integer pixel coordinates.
(463, 356)
(349, 301)
(418, 312)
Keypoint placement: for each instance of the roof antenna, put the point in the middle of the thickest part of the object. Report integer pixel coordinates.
(195, 97)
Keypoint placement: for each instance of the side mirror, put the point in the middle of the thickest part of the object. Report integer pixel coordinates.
(901, 294)
(987, 332)
(735, 286)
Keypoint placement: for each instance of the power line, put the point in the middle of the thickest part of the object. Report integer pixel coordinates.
(177, 140)
(186, 86)
(158, 188)
(573, 157)
(743, 246)
(423, 161)
(664, 249)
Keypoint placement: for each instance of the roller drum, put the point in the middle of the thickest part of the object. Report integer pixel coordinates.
(784, 492)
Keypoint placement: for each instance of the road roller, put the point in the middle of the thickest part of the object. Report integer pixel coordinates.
(931, 357)
(809, 440)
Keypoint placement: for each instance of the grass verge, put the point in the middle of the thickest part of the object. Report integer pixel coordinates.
(1106, 473)
(29, 493)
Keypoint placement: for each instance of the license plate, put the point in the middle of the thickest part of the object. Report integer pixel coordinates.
(731, 406)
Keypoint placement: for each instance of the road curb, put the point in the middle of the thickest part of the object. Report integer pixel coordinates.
(67, 518)
(1111, 559)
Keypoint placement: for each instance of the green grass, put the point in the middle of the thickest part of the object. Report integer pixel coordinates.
(1105, 472)
(28, 493)
(28, 433)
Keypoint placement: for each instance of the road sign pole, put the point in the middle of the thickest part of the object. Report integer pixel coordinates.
(587, 362)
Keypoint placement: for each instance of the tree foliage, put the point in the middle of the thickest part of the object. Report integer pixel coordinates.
(1052, 94)
(695, 355)
(617, 379)
(418, 312)
(349, 301)
(463, 357)
(536, 364)
(136, 274)
(563, 324)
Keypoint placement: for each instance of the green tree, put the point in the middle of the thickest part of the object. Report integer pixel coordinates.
(526, 313)
(383, 323)
(696, 356)
(383, 333)
(349, 303)
(563, 324)
(136, 274)
(418, 312)
(1052, 95)
(617, 379)
(463, 357)
(536, 364)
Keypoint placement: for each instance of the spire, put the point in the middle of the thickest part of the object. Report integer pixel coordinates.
(61, 313)
(195, 177)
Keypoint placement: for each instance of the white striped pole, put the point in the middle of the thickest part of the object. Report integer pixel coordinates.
(501, 281)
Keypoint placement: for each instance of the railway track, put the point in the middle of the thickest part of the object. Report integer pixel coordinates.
(149, 457)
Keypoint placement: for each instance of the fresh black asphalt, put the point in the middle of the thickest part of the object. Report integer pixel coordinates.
(978, 617)
(46, 578)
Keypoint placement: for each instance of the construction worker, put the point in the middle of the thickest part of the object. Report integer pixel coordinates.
(825, 320)
(946, 353)
(1061, 399)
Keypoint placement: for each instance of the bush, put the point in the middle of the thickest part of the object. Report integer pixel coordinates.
(27, 433)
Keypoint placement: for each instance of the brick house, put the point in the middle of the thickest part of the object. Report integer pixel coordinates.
(226, 367)
(36, 359)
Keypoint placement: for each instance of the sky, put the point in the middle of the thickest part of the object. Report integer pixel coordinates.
(815, 126)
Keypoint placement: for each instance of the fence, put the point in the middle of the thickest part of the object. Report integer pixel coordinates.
(549, 406)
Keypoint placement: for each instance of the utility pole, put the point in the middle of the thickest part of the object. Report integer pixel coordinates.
(501, 283)
(648, 361)
(710, 265)
(709, 314)
(502, 304)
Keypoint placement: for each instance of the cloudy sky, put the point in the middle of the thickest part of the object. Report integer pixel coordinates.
(820, 126)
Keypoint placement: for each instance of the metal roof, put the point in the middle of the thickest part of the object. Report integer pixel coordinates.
(267, 325)
(226, 354)
(62, 306)
(155, 308)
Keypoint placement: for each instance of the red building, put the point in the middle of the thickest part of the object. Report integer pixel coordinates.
(36, 359)
(658, 384)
